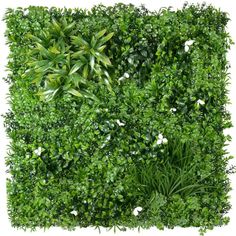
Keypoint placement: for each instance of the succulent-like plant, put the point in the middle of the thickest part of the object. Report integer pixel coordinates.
(63, 63)
(90, 57)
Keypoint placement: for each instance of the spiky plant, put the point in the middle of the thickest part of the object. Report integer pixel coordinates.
(173, 173)
(63, 63)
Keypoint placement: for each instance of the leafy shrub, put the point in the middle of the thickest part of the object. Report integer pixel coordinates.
(128, 128)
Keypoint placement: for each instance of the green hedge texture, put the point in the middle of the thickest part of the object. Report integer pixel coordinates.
(117, 117)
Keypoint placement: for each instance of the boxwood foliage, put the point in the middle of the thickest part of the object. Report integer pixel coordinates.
(117, 117)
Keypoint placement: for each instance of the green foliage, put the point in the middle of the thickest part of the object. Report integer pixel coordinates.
(56, 67)
(135, 119)
(174, 172)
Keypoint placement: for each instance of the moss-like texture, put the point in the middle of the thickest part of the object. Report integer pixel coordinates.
(132, 137)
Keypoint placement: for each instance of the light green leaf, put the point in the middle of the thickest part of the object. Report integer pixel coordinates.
(100, 34)
(77, 40)
(100, 49)
(102, 58)
(69, 27)
(77, 79)
(87, 94)
(109, 86)
(76, 55)
(42, 50)
(105, 39)
(93, 42)
(54, 50)
(56, 25)
(76, 67)
(85, 72)
(75, 92)
(48, 95)
(92, 62)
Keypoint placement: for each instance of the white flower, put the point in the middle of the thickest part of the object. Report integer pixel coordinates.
(106, 141)
(74, 212)
(173, 109)
(188, 44)
(26, 12)
(121, 79)
(108, 137)
(200, 102)
(164, 140)
(137, 210)
(120, 123)
(126, 75)
(38, 151)
(161, 140)
(133, 152)
(130, 60)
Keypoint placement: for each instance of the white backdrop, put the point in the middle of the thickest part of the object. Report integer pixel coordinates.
(5, 226)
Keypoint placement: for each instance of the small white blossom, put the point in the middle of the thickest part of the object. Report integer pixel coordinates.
(187, 45)
(137, 210)
(8, 175)
(161, 140)
(106, 141)
(38, 151)
(130, 60)
(26, 12)
(121, 78)
(133, 152)
(120, 123)
(164, 140)
(126, 75)
(74, 212)
(108, 137)
(200, 102)
(173, 109)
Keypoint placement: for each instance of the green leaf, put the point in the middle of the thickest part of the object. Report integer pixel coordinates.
(48, 95)
(107, 82)
(42, 50)
(70, 26)
(105, 39)
(54, 50)
(77, 79)
(75, 92)
(102, 58)
(93, 42)
(76, 67)
(77, 55)
(56, 25)
(85, 72)
(100, 34)
(100, 49)
(79, 41)
(92, 61)
(87, 94)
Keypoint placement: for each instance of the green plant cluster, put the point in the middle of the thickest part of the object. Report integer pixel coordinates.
(117, 117)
